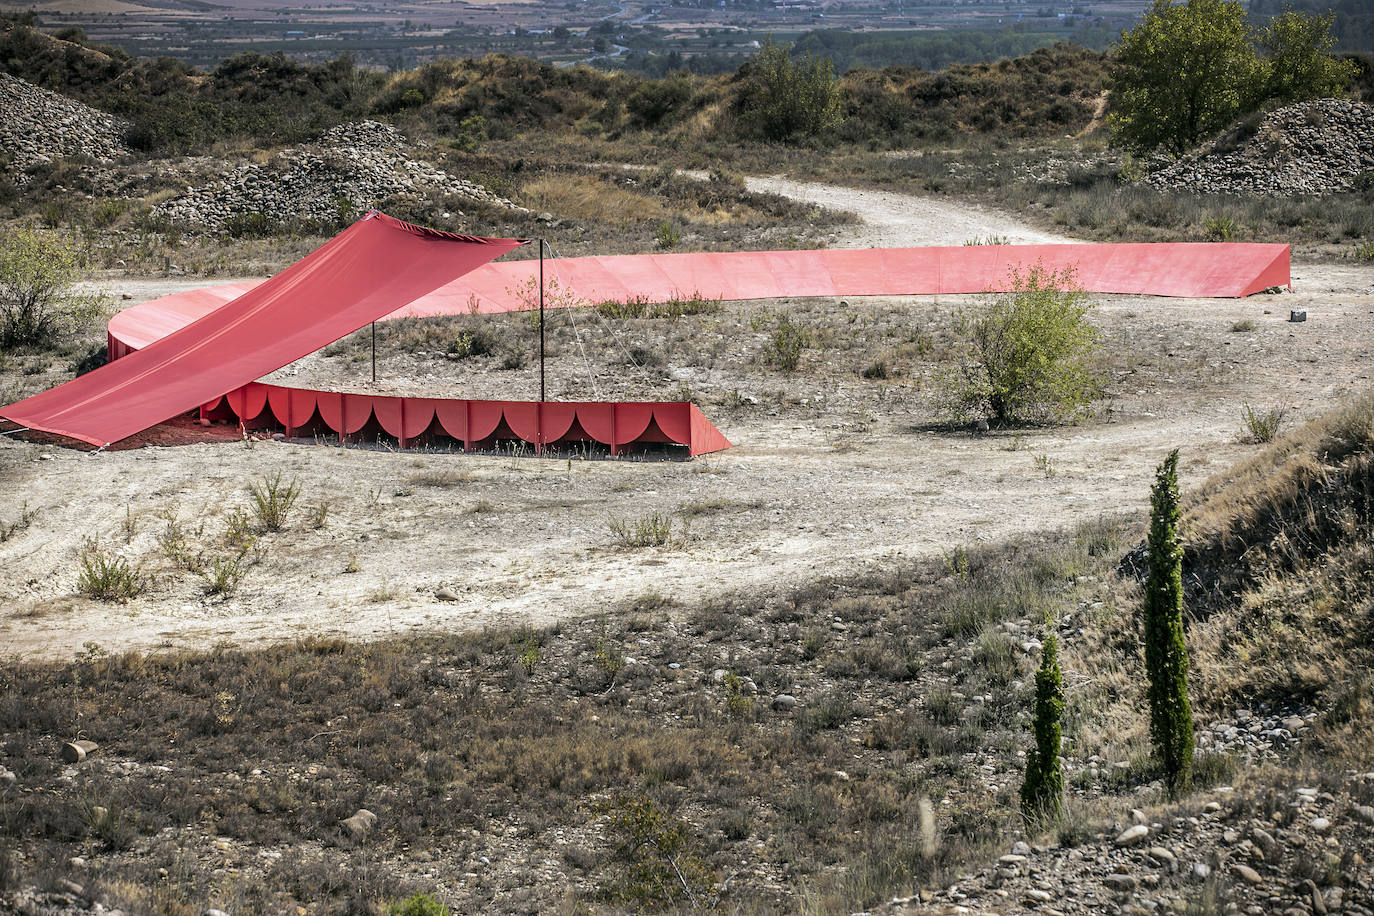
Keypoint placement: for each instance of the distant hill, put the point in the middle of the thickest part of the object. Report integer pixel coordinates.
(273, 100)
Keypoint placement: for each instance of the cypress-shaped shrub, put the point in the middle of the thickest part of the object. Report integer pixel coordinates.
(1042, 794)
(1166, 653)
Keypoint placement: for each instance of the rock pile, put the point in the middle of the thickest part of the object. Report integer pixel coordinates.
(1312, 148)
(346, 172)
(1262, 851)
(38, 126)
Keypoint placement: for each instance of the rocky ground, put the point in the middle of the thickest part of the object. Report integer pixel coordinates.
(38, 127)
(1241, 852)
(1312, 148)
(348, 170)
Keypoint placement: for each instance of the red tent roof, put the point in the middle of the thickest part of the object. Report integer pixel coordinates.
(367, 271)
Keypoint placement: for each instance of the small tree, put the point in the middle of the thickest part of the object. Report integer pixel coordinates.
(1297, 58)
(1030, 353)
(37, 303)
(1187, 71)
(1042, 794)
(1166, 653)
(784, 98)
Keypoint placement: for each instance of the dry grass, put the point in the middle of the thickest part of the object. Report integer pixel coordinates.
(589, 197)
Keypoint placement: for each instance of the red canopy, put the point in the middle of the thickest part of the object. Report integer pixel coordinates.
(362, 274)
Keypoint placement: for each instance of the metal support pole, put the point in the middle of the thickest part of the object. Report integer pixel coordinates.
(374, 351)
(541, 319)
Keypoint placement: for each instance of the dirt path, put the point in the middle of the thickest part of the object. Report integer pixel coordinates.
(895, 220)
(828, 479)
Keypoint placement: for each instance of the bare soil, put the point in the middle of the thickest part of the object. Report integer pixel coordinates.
(831, 472)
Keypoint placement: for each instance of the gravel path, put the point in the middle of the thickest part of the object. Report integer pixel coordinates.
(895, 220)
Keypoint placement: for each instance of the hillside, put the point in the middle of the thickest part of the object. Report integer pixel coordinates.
(853, 744)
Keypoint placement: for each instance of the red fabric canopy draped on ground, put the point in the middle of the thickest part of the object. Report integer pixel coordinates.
(1195, 269)
(1185, 269)
(357, 277)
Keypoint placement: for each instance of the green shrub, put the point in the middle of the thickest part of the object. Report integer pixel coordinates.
(1262, 426)
(474, 341)
(785, 347)
(652, 530)
(417, 904)
(251, 226)
(108, 577)
(785, 98)
(223, 575)
(667, 236)
(655, 858)
(272, 501)
(37, 304)
(1028, 354)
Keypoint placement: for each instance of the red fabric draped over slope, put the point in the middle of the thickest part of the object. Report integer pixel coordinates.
(357, 277)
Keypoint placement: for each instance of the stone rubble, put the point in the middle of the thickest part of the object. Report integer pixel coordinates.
(38, 127)
(1258, 851)
(346, 172)
(1312, 148)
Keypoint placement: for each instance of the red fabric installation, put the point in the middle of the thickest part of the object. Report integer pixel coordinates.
(617, 425)
(1200, 269)
(1193, 270)
(355, 278)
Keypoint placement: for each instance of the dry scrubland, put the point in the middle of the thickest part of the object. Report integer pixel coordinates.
(791, 677)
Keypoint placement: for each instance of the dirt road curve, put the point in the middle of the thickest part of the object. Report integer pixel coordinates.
(894, 220)
(838, 482)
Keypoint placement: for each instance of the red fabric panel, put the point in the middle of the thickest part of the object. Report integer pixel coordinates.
(483, 418)
(419, 416)
(389, 412)
(705, 437)
(630, 421)
(331, 406)
(558, 418)
(675, 420)
(595, 418)
(365, 272)
(453, 417)
(522, 418)
(1158, 269)
(293, 406)
(247, 402)
(357, 410)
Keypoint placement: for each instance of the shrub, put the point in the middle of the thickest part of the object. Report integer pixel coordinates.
(251, 226)
(785, 347)
(667, 235)
(1262, 426)
(37, 304)
(1166, 653)
(652, 530)
(785, 98)
(417, 904)
(1029, 353)
(108, 577)
(655, 855)
(475, 341)
(272, 501)
(224, 574)
(1042, 794)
